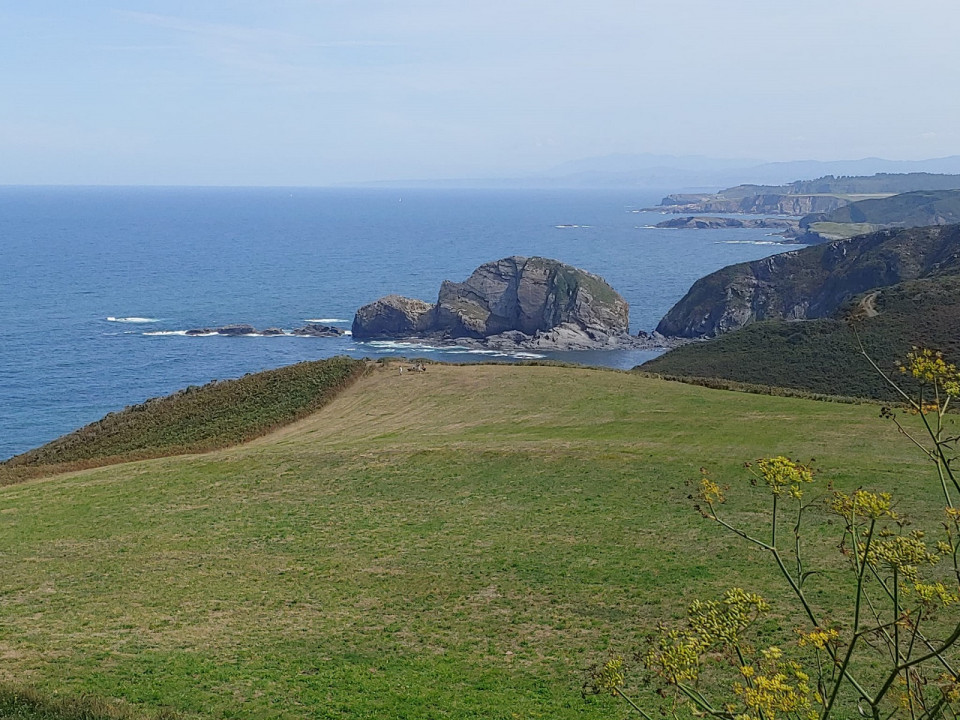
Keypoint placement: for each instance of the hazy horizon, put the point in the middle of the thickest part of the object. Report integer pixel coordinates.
(320, 93)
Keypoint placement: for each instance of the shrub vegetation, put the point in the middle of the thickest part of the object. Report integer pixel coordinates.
(823, 356)
(197, 419)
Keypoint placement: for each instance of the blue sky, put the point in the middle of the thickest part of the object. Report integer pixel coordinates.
(315, 92)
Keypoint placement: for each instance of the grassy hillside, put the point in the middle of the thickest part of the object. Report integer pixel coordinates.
(196, 419)
(822, 356)
(459, 543)
(912, 209)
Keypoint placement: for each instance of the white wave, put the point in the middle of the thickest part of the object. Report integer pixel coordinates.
(398, 346)
(474, 351)
(132, 319)
(348, 332)
(528, 356)
(746, 242)
(326, 320)
(168, 332)
(570, 227)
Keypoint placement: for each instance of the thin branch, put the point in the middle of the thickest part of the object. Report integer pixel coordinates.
(947, 644)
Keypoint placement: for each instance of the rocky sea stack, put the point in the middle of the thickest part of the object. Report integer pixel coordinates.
(516, 301)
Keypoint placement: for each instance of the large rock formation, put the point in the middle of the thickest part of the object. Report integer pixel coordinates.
(813, 282)
(532, 302)
(393, 316)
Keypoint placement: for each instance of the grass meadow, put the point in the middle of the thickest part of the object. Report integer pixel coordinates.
(459, 543)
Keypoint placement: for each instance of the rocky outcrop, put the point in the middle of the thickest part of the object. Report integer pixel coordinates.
(812, 282)
(393, 316)
(318, 330)
(700, 222)
(238, 329)
(241, 329)
(516, 301)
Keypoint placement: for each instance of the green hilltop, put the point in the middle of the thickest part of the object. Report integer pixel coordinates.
(462, 542)
(880, 183)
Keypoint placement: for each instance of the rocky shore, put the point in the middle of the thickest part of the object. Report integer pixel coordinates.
(702, 222)
(241, 329)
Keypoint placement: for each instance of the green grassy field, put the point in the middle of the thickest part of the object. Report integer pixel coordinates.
(838, 231)
(459, 543)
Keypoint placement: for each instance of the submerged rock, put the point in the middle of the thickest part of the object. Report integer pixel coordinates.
(317, 330)
(238, 329)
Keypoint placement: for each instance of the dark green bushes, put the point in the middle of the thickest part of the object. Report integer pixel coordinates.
(195, 419)
(823, 356)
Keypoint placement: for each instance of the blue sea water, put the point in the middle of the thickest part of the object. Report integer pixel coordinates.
(95, 283)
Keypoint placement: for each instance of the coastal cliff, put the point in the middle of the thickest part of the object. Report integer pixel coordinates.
(803, 197)
(812, 282)
(516, 301)
(766, 204)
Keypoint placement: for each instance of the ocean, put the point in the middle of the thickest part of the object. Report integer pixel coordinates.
(98, 285)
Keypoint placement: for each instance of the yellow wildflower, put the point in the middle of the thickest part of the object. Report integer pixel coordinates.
(710, 492)
(781, 472)
(863, 504)
(818, 638)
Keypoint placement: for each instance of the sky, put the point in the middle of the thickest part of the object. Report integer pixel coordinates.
(320, 92)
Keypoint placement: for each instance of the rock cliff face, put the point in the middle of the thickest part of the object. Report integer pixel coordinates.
(515, 300)
(756, 204)
(393, 316)
(813, 282)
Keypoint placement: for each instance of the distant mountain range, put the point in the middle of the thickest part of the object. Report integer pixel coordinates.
(692, 173)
